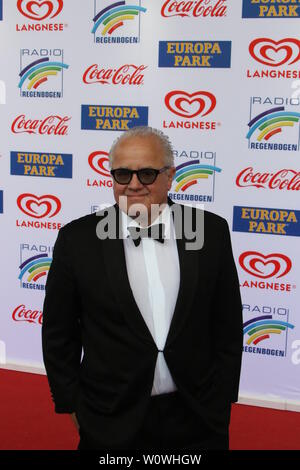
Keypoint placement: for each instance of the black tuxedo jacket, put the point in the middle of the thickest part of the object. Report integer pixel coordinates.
(89, 305)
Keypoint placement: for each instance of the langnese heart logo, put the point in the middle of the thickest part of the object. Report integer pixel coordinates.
(39, 206)
(39, 10)
(275, 53)
(265, 266)
(189, 105)
(98, 162)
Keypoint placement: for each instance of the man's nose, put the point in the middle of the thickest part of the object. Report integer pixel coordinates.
(135, 182)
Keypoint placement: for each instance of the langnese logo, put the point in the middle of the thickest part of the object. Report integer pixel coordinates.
(41, 73)
(194, 180)
(270, 9)
(99, 163)
(267, 334)
(37, 208)
(194, 9)
(285, 179)
(28, 315)
(266, 221)
(39, 11)
(113, 118)
(274, 58)
(35, 261)
(50, 125)
(267, 269)
(52, 165)
(198, 104)
(125, 75)
(274, 124)
(194, 54)
(117, 22)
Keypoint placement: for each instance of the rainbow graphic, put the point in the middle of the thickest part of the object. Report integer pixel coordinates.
(271, 122)
(260, 328)
(38, 72)
(113, 16)
(188, 174)
(35, 267)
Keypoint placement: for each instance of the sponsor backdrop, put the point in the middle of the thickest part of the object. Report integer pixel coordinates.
(222, 79)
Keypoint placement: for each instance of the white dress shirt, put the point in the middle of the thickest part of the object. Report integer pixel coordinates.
(154, 276)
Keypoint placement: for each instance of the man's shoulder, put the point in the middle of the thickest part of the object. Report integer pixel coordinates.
(210, 218)
(85, 222)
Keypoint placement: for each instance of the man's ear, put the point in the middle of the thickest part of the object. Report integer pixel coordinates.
(171, 173)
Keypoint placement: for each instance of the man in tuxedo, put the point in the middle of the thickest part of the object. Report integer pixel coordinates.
(158, 319)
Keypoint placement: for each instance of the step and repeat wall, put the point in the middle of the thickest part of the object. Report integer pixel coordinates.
(222, 79)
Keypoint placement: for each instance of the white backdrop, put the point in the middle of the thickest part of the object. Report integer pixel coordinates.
(221, 78)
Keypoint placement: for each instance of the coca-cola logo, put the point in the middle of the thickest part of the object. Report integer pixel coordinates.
(265, 266)
(200, 8)
(51, 125)
(283, 179)
(128, 74)
(39, 206)
(39, 9)
(98, 161)
(275, 53)
(189, 105)
(21, 313)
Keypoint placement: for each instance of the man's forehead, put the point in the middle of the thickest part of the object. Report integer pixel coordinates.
(139, 142)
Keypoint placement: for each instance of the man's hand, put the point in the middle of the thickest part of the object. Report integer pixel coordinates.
(74, 419)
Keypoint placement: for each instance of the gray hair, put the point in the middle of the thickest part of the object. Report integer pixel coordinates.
(146, 131)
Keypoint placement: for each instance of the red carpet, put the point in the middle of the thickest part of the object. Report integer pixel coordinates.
(28, 421)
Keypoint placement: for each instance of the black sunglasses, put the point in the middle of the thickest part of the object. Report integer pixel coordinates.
(145, 175)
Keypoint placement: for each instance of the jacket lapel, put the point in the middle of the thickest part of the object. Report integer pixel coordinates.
(115, 262)
(188, 262)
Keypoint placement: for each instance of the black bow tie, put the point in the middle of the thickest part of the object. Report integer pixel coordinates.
(156, 232)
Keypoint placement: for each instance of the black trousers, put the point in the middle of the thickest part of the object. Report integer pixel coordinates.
(169, 425)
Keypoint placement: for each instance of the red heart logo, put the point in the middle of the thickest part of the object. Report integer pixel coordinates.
(97, 161)
(27, 201)
(260, 50)
(182, 103)
(35, 10)
(257, 264)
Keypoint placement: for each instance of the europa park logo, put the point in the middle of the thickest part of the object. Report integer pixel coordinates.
(264, 267)
(40, 10)
(275, 54)
(270, 9)
(99, 163)
(190, 105)
(39, 207)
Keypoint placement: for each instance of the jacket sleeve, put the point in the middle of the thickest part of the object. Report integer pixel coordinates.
(61, 337)
(228, 323)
